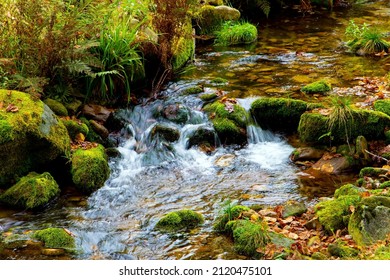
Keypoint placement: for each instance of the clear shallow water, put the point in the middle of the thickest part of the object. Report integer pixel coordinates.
(152, 178)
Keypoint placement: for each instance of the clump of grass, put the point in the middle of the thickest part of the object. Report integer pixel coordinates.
(233, 33)
(365, 39)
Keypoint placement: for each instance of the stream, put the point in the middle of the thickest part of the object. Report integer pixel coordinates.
(151, 178)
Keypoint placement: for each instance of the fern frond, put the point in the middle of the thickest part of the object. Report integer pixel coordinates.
(264, 5)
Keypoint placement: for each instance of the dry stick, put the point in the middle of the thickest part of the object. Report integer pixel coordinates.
(376, 156)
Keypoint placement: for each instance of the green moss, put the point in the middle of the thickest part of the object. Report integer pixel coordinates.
(230, 213)
(248, 236)
(89, 168)
(347, 189)
(183, 49)
(372, 172)
(341, 250)
(193, 90)
(55, 238)
(371, 220)
(370, 124)
(382, 105)
(75, 127)
(234, 33)
(229, 125)
(219, 80)
(208, 96)
(6, 132)
(280, 114)
(32, 191)
(37, 136)
(91, 136)
(57, 107)
(385, 185)
(317, 87)
(179, 220)
(332, 214)
(382, 253)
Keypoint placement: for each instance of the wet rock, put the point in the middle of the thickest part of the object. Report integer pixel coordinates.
(370, 221)
(225, 160)
(99, 129)
(177, 113)
(169, 133)
(293, 208)
(334, 165)
(30, 136)
(96, 112)
(55, 238)
(32, 191)
(179, 220)
(306, 153)
(57, 107)
(113, 152)
(317, 87)
(201, 136)
(227, 13)
(117, 120)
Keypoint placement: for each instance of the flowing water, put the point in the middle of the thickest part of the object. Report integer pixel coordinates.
(153, 177)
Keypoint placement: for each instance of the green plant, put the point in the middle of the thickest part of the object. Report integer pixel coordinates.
(341, 115)
(366, 39)
(232, 33)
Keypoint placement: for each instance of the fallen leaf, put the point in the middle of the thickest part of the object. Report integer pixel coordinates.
(80, 137)
(12, 108)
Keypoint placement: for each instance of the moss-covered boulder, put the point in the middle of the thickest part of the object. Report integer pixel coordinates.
(249, 236)
(209, 18)
(75, 127)
(341, 250)
(293, 208)
(229, 121)
(314, 127)
(382, 105)
(179, 220)
(278, 114)
(57, 107)
(89, 168)
(32, 191)
(373, 172)
(30, 135)
(317, 87)
(348, 189)
(370, 221)
(183, 48)
(234, 33)
(55, 238)
(177, 113)
(334, 214)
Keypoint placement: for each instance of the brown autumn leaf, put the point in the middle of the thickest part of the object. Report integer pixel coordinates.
(1, 105)
(80, 137)
(352, 209)
(12, 108)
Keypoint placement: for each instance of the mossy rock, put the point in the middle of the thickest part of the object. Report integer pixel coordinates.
(57, 107)
(347, 189)
(228, 215)
(279, 114)
(235, 33)
(73, 106)
(341, 250)
(179, 220)
(313, 127)
(193, 90)
(55, 238)
(208, 96)
(92, 136)
(229, 125)
(334, 214)
(32, 191)
(293, 208)
(373, 172)
(75, 127)
(382, 105)
(202, 135)
(219, 81)
(249, 236)
(89, 168)
(29, 137)
(177, 113)
(317, 87)
(382, 253)
(370, 221)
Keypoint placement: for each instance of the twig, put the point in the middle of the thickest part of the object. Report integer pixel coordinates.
(378, 157)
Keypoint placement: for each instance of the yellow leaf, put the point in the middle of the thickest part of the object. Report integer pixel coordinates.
(80, 137)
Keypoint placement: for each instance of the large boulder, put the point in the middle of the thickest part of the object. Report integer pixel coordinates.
(32, 191)
(30, 135)
(209, 18)
(370, 221)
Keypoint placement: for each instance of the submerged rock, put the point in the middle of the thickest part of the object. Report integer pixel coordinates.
(168, 132)
(203, 135)
(89, 168)
(30, 135)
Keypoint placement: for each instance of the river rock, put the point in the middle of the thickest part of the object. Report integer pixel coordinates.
(334, 165)
(227, 13)
(96, 112)
(225, 160)
(169, 133)
(370, 221)
(201, 136)
(177, 113)
(306, 153)
(30, 135)
(99, 129)
(32, 191)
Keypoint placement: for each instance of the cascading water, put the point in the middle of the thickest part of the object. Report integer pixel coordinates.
(153, 177)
